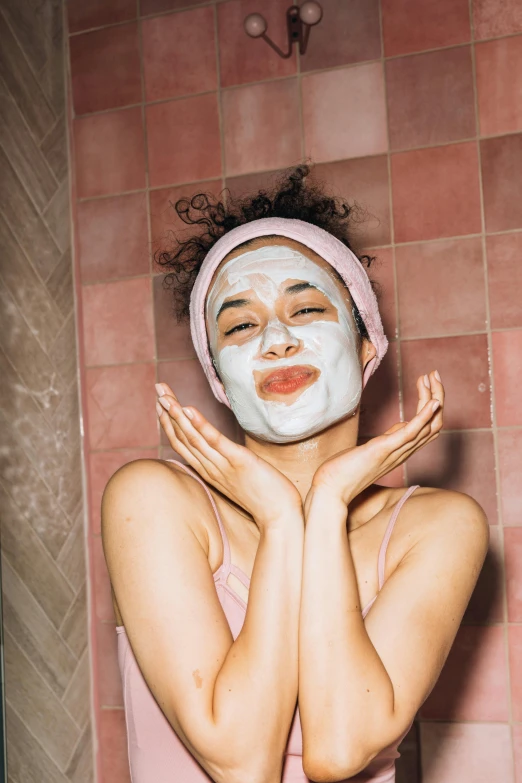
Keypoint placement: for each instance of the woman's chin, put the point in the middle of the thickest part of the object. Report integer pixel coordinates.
(287, 432)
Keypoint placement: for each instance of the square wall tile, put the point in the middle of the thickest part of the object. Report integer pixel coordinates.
(499, 85)
(362, 181)
(243, 59)
(510, 469)
(173, 339)
(261, 127)
(183, 140)
(103, 606)
(492, 18)
(462, 461)
(501, 182)
(436, 192)
(187, 379)
(507, 368)
(105, 68)
(84, 14)
(416, 25)
(448, 115)
(149, 7)
(517, 750)
(165, 225)
(112, 738)
(380, 408)
(248, 184)
(473, 684)
(108, 682)
(189, 66)
(486, 604)
(347, 33)
(113, 237)
(515, 664)
(471, 752)
(109, 153)
(117, 322)
(344, 113)
(441, 288)
(464, 368)
(102, 465)
(381, 272)
(113, 396)
(505, 280)
(513, 561)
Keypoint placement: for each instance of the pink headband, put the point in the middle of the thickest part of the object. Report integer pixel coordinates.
(324, 244)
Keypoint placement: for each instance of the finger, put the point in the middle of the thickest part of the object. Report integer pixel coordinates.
(194, 439)
(424, 391)
(163, 389)
(215, 439)
(438, 393)
(178, 442)
(412, 428)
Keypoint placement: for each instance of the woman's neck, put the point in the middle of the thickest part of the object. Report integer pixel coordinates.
(299, 461)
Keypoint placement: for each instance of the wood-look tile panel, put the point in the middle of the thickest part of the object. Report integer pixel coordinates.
(21, 81)
(24, 154)
(36, 704)
(32, 562)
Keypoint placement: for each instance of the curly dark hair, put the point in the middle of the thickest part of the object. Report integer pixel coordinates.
(293, 196)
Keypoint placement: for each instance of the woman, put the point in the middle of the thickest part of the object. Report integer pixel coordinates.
(214, 662)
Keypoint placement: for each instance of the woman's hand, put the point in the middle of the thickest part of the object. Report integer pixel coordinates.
(350, 472)
(237, 472)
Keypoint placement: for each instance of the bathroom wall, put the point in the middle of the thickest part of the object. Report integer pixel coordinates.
(412, 108)
(46, 657)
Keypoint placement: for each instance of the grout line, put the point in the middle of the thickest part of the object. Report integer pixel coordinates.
(219, 100)
(393, 244)
(492, 387)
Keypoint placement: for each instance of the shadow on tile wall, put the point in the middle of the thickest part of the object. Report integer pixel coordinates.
(47, 668)
(411, 108)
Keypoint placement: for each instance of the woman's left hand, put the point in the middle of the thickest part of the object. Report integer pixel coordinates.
(352, 471)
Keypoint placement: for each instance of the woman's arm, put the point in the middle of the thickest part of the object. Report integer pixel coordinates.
(230, 702)
(362, 682)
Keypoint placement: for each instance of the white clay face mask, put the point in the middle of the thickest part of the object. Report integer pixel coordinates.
(327, 349)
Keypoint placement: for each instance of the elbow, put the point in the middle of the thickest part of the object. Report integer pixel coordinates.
(333, 771)
(333, 768)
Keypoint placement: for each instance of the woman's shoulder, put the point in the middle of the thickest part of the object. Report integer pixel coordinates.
(147, 483)
(150, 473)
(447, 513)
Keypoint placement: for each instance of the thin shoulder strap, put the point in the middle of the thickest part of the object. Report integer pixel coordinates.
(225, 567)
(389, 530)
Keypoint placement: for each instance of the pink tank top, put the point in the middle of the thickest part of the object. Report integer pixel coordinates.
(157, 755)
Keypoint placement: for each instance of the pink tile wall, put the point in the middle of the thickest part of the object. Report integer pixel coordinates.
(412, 108)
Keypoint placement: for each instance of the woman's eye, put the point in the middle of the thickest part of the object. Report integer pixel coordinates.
(239, 328)
(311, 310)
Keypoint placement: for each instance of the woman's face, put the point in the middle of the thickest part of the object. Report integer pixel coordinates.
(283, 339)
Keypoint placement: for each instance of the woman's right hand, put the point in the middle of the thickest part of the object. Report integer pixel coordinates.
(251, 482)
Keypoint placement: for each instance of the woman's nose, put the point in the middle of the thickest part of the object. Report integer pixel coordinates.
(278, 342)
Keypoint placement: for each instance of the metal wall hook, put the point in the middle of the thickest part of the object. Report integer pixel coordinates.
(299, 20)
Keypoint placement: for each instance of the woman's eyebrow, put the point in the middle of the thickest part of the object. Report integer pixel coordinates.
(233, 303)
(298, 287)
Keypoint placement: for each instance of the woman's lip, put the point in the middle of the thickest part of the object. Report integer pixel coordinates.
(287, 379)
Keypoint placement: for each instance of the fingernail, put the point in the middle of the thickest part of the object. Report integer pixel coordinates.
(436, 374)
(164, 402)
(188, 413)
(159, 409)
(159, 388)
(435, 404)
(427, 382)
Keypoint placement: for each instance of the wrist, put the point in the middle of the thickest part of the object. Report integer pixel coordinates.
(290, 519)
(322, 499)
